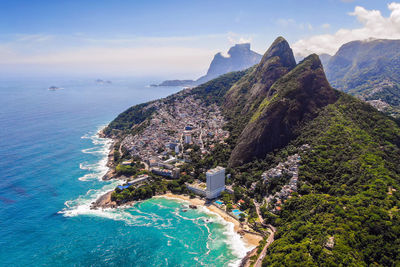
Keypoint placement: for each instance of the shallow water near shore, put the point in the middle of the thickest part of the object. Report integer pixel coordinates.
(51, 166)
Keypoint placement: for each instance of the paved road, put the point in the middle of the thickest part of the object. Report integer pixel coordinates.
(271, 231)
(270, 239)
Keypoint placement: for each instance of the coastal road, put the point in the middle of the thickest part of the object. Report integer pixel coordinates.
(270, 239)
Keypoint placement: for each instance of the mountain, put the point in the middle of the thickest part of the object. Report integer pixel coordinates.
(344, 208)
(245, 96)
(184, 83)
(293, 100)
(325, 59)
(369, 70)
(239, 57)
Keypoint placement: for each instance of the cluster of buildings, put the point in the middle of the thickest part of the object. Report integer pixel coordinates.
(184, 121)
(214, 186)
(291, 168)
(168, 168)
(137, 180)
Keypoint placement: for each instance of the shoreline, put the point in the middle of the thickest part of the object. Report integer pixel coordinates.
(251, 240)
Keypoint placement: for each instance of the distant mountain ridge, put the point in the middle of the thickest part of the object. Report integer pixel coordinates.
(240, 57)
(367, 69)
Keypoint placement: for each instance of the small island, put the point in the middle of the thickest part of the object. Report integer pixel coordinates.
(54, 88)
(100, 81)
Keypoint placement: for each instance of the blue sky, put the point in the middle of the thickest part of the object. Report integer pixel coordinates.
(168, 37)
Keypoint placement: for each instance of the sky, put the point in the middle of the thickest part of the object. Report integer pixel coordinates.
(174, 38)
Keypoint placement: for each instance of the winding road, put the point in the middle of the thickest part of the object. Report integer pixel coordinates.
(270, 239)
(271, 231)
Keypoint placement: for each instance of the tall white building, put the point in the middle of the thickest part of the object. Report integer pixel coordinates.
(188, 138)
(215, 182)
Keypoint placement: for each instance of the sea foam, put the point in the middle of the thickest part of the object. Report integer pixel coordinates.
(81, 205)
(101, 148)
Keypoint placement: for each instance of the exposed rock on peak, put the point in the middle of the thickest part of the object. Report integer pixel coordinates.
(239, 48)
(280, 48)
(239, 57)
(295, 98)
(248, 93)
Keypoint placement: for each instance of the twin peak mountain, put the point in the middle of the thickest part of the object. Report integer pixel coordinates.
(274, 99)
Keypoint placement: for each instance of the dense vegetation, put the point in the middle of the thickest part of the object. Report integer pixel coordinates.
(369, 70)
(347, 192)
(145, 191)
(213, 92)
(132, 116)
(129, 170)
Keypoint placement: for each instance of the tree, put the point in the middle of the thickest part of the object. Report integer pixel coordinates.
(229, 207)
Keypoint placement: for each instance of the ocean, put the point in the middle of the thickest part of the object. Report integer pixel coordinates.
(50, 171)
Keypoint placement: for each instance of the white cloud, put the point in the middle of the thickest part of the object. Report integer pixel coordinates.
(374, 25)
(235, 38)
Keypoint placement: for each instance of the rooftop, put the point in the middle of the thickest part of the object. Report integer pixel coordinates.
(201, 186)
(215, 170)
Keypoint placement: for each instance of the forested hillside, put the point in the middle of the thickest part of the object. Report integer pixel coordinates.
(369, 70)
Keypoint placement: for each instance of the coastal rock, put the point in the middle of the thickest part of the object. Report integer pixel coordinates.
(104, 202)
(246, 260)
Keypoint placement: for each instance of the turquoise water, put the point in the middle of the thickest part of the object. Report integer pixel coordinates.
(219, 202)
(50, 169)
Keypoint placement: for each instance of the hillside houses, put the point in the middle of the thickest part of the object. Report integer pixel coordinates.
(184, 121)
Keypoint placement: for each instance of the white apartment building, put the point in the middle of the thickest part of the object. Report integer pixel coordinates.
(215, 182)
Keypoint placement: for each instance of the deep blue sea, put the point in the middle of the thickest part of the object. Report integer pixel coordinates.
(51, 162)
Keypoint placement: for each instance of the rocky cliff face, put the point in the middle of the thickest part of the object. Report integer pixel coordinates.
(294, 99)
(240, 57)
(248, 93)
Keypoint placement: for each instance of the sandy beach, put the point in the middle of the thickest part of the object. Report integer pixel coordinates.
(251, 240)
